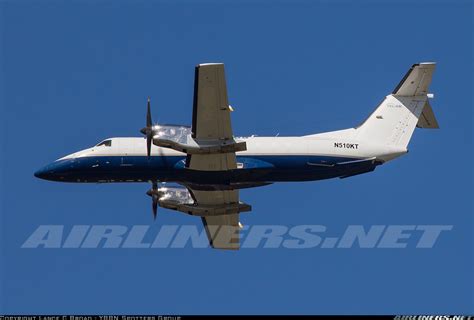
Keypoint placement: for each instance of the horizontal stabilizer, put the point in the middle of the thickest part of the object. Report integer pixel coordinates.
(427, 119)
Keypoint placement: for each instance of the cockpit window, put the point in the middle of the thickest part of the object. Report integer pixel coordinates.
(106, 143)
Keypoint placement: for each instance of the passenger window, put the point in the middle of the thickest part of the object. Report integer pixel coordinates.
(106, 143)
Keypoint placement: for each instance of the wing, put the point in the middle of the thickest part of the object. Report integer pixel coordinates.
(211, 112)
(223, 231)
(211, 118)
(211, 124)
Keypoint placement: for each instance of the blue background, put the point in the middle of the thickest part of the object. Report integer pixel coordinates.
(74, 73)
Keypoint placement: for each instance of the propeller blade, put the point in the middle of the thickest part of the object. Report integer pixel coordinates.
(148, 130)
(155, 205)
(148, 145)
(148, 114)
(153, 193)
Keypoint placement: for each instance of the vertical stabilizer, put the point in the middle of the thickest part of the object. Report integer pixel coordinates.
(395, 119)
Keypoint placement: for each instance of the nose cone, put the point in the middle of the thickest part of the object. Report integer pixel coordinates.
(42, 173)
(60, 170)
(46, 173)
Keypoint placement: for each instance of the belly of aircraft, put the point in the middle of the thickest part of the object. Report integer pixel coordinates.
(253, 170)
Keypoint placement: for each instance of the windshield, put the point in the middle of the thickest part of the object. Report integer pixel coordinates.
(106, 143)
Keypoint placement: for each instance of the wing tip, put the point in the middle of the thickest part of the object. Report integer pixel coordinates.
(229, 248)
(209, 64)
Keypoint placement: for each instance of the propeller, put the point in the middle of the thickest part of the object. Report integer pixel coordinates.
(148, 130)
(154, 194)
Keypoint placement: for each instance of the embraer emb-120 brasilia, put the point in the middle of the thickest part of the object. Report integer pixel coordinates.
(211, 165)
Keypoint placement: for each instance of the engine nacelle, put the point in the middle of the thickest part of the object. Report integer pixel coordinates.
(179, 138)
(180, 199)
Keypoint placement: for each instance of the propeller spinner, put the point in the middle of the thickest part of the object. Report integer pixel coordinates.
(148, 130)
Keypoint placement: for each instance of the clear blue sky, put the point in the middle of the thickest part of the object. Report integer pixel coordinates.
(75, 72)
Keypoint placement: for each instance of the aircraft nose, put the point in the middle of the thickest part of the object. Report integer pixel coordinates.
(43, 173)
(59, 170)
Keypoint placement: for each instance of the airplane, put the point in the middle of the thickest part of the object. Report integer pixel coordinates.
(209, 164)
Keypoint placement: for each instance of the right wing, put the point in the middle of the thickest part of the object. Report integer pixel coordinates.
(211, 119)
(211, 112)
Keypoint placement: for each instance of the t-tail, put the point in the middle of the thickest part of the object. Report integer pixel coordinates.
(394, 120)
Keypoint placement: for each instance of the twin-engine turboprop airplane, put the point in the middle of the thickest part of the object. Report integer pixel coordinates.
(212, 165)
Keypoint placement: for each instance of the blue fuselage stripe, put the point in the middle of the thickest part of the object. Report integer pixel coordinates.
(254, 168)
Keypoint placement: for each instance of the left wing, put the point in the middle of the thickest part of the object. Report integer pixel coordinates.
(222, 230)
(218, 209)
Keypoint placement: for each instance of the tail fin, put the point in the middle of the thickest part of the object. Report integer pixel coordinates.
(395, 119)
